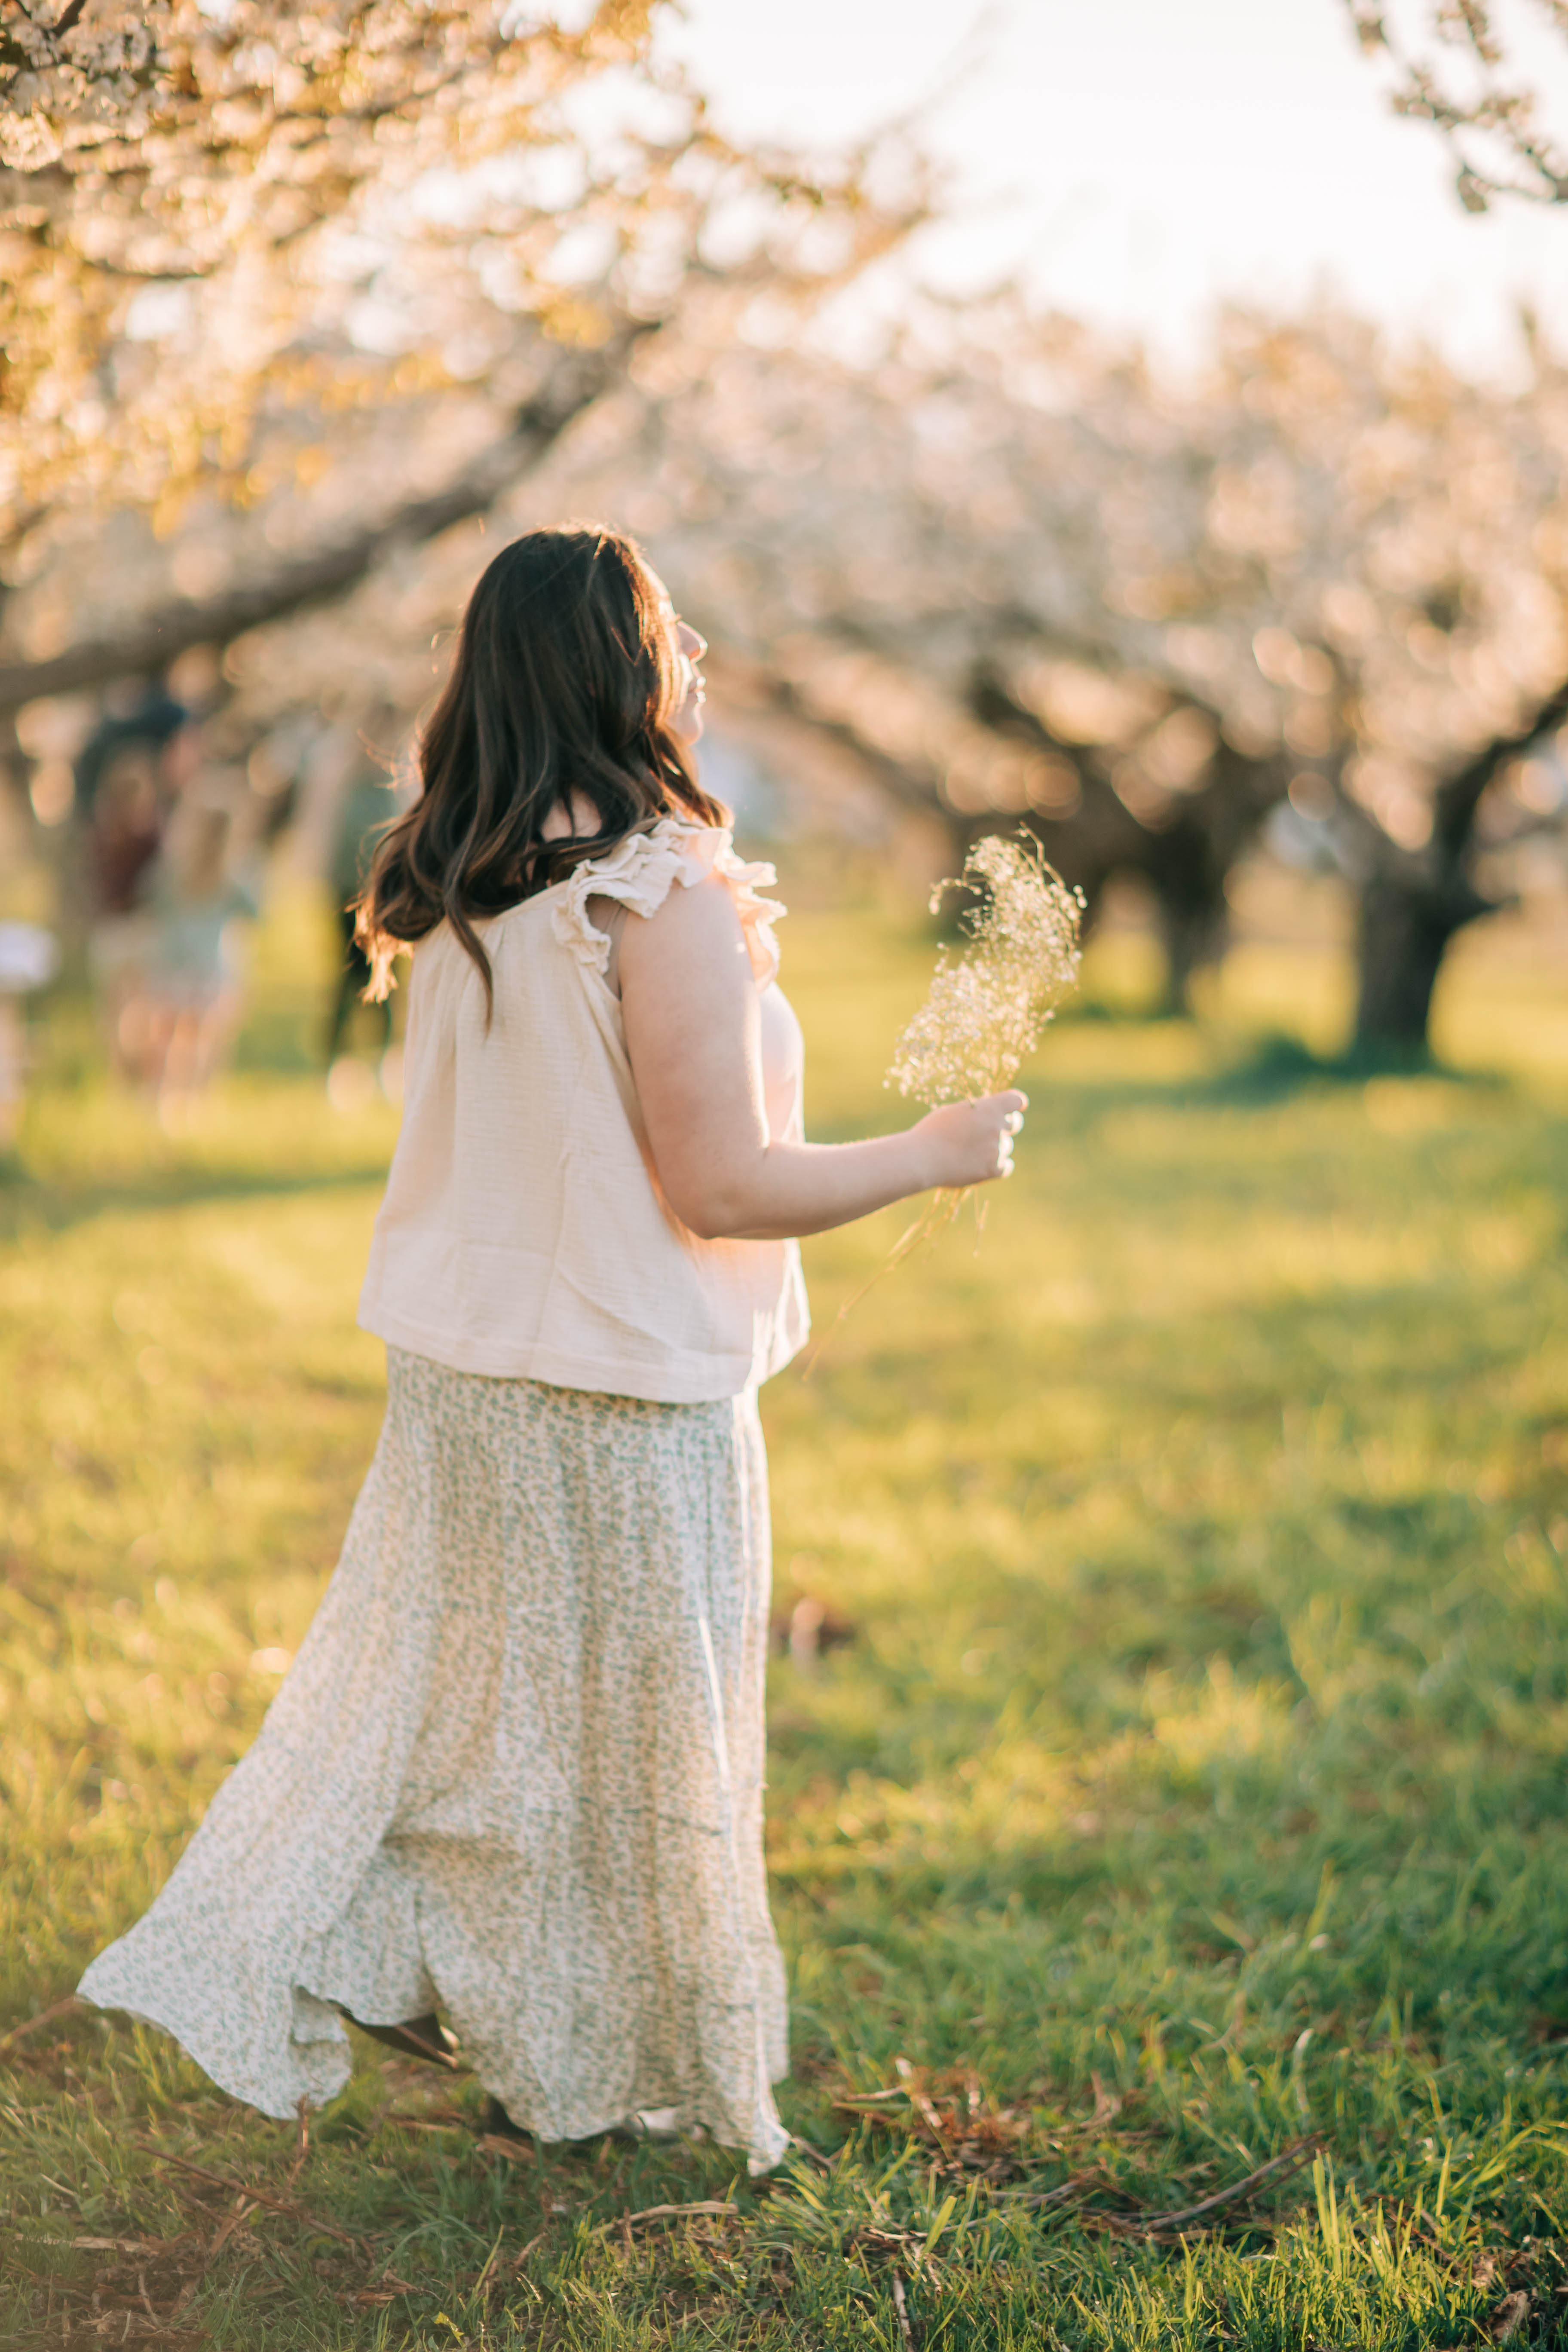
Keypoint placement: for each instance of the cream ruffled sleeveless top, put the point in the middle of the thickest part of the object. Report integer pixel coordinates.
(523, 1233)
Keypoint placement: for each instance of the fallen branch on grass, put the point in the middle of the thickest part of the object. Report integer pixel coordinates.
(1290, 2159)
(241, 2213)
(1280, 2167)
(669, 2212)
(958, 2118)
(905, 2330)
(1065, 2190)
(44, 2017)
(259, 2196)
(142, 2246)
(514, 2267)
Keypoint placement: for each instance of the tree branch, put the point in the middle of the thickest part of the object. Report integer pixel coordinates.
(1497, 108)
(901, 784)
(1459, 795)
(148, 644)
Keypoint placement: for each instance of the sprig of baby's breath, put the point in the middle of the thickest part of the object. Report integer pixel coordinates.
(985, 1008)
(983, 1013)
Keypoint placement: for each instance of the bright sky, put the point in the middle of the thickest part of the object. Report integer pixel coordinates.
(1141, 158)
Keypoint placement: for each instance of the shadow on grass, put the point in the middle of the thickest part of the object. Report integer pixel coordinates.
(1279, 1066)
(1273, 1071)
(28, 1202)
(1270, 1069)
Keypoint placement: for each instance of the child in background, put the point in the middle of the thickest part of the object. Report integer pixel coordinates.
(194, 967)
(128, 779)
(125, 828)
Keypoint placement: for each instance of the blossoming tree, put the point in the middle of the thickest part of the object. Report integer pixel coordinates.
(297, 301)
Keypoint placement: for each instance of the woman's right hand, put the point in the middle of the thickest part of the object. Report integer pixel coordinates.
(971, 1142)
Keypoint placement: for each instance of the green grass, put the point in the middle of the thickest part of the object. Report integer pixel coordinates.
(1187, 1777)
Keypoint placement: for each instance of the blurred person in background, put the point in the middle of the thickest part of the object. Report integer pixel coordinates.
(129, 777)
(194, 902)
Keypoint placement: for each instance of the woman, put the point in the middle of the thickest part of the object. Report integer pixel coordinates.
(515, 1774)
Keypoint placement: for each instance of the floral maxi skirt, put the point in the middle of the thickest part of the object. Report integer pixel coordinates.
(515, 1773)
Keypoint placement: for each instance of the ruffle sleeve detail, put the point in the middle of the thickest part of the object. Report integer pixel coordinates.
(641, 872)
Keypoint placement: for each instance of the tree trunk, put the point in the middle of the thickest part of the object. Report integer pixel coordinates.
(1412, 902)
(1192, 932)
(1409, 912)
(1185, 848)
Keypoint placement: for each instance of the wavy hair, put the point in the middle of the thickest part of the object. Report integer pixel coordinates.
(565, 680)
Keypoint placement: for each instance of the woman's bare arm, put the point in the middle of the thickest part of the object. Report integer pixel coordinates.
(692, 1033)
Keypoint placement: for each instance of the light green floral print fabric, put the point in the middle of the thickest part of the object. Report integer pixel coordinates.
(515, 1772)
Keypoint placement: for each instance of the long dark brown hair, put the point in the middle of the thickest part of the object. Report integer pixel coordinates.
(565, 680)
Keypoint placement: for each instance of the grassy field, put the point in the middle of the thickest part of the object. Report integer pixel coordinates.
(1177, 1784)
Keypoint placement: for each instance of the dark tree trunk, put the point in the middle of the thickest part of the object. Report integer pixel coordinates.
(1192, 935)
(1415, 900)
(1407, 922)
(1183, 852)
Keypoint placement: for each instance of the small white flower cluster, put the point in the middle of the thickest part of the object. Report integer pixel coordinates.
(984, 1013)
